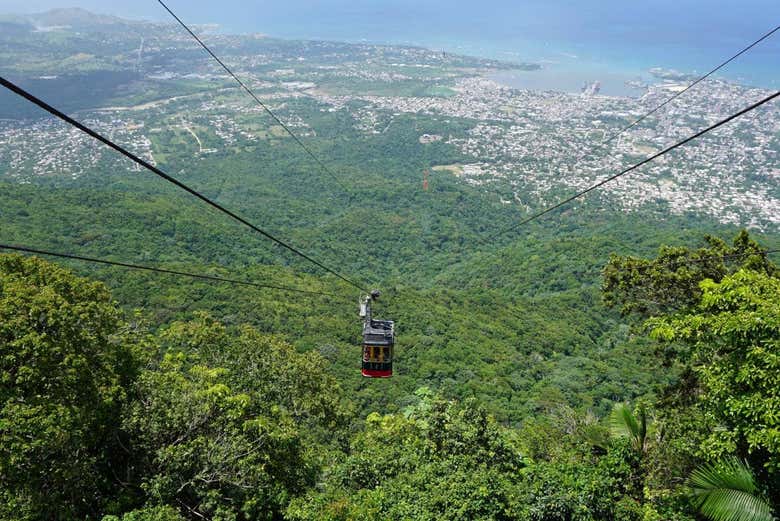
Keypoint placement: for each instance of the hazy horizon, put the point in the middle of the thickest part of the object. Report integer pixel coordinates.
(603, 37)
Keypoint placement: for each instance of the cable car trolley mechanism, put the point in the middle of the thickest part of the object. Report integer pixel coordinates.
(378, 341)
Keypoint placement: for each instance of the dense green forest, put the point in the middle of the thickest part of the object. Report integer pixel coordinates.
(597, 364)
(106, 416)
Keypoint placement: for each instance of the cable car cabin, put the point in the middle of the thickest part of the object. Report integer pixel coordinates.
(378, 340)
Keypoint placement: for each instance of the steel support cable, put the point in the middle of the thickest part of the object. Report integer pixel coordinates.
(25, 249)
(64, 117)
(631, 168)
(686, 89)
(249, 91)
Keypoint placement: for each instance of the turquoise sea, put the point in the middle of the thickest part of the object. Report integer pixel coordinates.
(622, 69)
(574, 40)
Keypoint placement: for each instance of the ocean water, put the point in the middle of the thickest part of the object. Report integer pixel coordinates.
(621, 69)
(574, 40)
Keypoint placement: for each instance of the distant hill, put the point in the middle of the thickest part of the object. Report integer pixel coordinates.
(74, 18)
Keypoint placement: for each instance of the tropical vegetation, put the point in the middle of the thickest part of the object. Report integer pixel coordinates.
(107, 415)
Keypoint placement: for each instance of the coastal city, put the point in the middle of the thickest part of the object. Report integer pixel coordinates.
(525, 147)
(389, 260)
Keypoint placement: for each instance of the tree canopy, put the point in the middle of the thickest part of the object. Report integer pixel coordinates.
(105, 415)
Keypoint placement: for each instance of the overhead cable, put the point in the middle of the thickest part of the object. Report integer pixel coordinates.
(249, 91)
(64, 117)
(632, 168)
(36, 251)
(686, 89)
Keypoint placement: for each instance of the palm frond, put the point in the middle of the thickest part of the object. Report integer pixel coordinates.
(623, 423)
(728, 492)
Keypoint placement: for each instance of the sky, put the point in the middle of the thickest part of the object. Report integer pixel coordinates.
(684, 34)
(644, 19)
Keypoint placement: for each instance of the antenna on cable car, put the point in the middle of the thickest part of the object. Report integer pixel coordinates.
(378, 341)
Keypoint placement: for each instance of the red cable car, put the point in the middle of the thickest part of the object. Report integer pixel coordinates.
(378, 342)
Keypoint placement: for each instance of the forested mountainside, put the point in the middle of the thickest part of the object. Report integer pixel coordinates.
(105, 415)
(548, 373)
